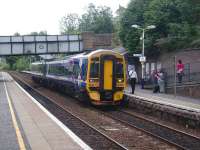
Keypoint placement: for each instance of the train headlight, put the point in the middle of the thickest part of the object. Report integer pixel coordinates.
(91, 80)
(120, 80)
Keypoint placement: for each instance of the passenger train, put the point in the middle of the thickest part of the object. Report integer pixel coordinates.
(98, 76)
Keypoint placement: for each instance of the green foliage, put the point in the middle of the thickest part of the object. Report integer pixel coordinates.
(116, 26)
(17, 34)
(96, 19)
(134, 14)
(177, 24)
(173, 18)
(43, 33)
(11, 60)
(195, 43)
(4, 66)
(39, 33)
(22, 64)
(18, 62)
(70, 24)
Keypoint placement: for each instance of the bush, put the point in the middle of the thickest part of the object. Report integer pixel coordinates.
(21, 64)
(4, 66)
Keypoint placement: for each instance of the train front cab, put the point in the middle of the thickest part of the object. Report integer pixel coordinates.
(106, 78)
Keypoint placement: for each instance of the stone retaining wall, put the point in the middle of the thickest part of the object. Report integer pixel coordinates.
(191, 90)
(165, 112)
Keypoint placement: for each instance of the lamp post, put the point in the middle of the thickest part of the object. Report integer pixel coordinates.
(142, 58)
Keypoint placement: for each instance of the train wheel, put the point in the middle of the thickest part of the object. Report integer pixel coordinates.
(125, 101)
(87, 99)
(83, 96)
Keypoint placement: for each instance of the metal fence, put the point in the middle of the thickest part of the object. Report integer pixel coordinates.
(191, 75)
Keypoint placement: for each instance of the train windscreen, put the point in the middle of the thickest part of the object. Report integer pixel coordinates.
(94, 70)
(119, 70)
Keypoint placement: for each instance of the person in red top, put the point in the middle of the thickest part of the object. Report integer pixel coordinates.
(180, 68)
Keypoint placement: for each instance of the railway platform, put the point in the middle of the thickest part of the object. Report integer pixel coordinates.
(177, 105)
(25, 124)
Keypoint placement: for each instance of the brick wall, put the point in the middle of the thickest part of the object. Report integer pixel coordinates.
(92, 41)
(103, 41)
(191, 79)
(191, 56)
(88, 40)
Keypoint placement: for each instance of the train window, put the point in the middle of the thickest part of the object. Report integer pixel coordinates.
(39, 68)
(60, 70)
(66, 71)
(51, 69)
(119, 70)
(119, 59)
(84, 69)
(56, 70)
(76, 70)
(94, 70)
(95, 59)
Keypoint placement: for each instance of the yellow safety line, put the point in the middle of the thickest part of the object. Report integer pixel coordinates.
(14, 120)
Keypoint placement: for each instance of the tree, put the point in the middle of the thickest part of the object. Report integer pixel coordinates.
(22, 63)
(16, 34)
(116, 23)
(11, 60)
(177, 24)
(70, 24)
(97, 19)
(34, 33)
(133, 14)
(18, 62)
(39, 33)
(42, 33)
(3, 64)
(176, 20)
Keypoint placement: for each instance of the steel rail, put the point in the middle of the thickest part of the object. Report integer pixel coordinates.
(118, 115)
(31, 89)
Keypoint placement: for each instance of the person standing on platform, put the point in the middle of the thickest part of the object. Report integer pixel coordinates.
(155, 81)
(133, 77)
(180, 68)
(161, 82)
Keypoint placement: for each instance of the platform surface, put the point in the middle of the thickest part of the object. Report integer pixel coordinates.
(166, 99)
(34, 128)
(8, 139)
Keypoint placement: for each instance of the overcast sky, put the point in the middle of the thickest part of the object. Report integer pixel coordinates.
(25, 16)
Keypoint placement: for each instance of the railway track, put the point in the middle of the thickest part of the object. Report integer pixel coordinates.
(89, 134)
(177, 138)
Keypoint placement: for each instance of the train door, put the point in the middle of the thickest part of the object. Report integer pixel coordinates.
(108, 75)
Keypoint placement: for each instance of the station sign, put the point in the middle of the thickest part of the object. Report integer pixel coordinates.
(143, 59)
(137, 55)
